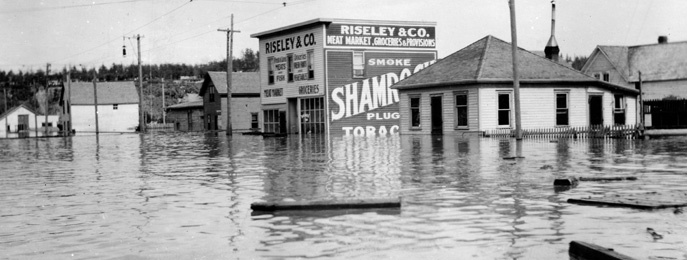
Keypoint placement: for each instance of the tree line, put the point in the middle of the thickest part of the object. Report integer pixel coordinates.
(30, 87)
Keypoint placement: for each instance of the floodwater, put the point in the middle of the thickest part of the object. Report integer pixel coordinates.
(188, 196)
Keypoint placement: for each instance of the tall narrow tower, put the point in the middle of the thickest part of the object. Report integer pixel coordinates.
(552, 49)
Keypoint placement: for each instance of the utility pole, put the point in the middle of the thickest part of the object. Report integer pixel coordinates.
(95, 100)
(516, 82)
(69, 102)
(47, 103)
(164, 113)
(141, 122)
(230, 41)
(7, 131)
(641, 103)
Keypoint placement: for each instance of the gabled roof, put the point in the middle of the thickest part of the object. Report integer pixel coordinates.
(657, 62)
(242, 82)
(11, 110)
(187, 105)
(120, 92)
(490, 60)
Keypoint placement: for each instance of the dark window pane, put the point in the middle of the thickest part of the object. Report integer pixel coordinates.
(415, 117)
(561, 101)
(504, 117)
(561, 117)
(462, 113)
(461, 100)
(414, 102)
(504, 101)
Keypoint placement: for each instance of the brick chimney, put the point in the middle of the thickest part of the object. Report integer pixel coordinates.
(551, 51)
(662, 39)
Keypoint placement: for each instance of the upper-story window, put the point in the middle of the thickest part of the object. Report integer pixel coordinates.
(606, 77)
(358, 64)
(270, 70)
(311, 64)
(211, 94)
(289, 66)
(115, 106)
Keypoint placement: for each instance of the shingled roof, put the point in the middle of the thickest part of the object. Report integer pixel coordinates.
(120, 92)
(489, 60)
(242, 82)
(187, 105)
(657, 62)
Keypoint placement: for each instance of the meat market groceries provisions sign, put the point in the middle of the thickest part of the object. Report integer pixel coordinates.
(381, 36)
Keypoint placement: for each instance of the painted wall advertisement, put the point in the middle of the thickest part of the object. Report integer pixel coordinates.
(386, 36)
(364, 107)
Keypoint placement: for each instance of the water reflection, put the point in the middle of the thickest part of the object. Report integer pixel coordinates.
(188, 195)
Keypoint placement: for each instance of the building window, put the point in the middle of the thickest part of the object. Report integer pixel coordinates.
(115, 106)
(49, 124)
(211, 94)
(270, 70)
(462, 110)
(289, 66)
(254, 120)
(562, 112)
(504, 109)
(311, 64)
(597, 76)
(619, 110)
(271, 119)
(607, 77)
(358, 65)
(414, 111)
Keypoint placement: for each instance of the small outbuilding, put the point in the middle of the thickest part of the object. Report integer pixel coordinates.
(471, 91)
(245, 101)
(21, 121)
(186, 117)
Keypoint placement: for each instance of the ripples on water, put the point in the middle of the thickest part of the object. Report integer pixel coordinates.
(187, 196)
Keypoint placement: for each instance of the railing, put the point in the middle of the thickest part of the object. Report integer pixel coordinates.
(596, 131)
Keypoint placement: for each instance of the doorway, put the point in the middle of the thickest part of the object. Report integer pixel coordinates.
(437, 116)
(596, 116)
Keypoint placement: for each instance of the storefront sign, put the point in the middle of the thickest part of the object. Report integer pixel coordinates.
(308, 89)
(273, 92)
(300, 67)
(280, 68)
(381, 36)
(290, 43)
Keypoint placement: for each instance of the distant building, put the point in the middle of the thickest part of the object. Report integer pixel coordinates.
(471, 91)
(117, 106)
(332, 76)
(187, 117)
(663, 67)
(245, 101)
(21, 121)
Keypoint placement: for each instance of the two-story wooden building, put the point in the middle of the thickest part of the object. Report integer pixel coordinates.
(332, 76)
(244, 102)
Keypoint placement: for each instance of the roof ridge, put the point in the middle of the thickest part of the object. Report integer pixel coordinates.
(482, 55)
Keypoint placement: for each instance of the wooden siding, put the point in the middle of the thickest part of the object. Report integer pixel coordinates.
(210, 108)
(600, 64)
(448, 110)
(124, 119)
(340, 73)
(290, 89)
(179, 117)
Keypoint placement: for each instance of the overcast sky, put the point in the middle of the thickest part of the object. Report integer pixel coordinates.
(90, 32)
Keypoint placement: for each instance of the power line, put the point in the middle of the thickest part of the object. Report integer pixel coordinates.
(28, 10)
(113, 39)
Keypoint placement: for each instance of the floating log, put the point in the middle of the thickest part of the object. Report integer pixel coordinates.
(570, 181)
(631, 178)
(252, 133)
(652, 200)
(273, 134)
(327, 204)
(586, 251)
(513, 157)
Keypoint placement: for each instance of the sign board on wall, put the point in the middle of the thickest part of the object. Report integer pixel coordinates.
(368, 106)
(386, 36)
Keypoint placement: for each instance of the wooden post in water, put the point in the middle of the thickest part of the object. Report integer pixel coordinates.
(516, 82)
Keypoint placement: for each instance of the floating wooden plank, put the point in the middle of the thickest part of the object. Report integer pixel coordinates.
(652, 200)
(586, 251)
(630, 178)
(273, 134)
(327, 204)
(252, 133)
(513, 157)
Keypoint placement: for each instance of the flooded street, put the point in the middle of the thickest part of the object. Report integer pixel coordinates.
(188, 196)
